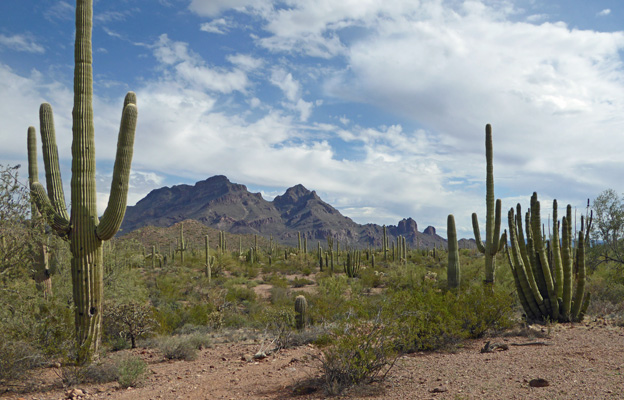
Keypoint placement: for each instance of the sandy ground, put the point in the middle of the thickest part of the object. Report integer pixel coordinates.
(575, 361)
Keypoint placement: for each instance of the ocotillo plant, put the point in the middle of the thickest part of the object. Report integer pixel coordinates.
(545, 295)
(301, 311)
(453, 267)
(493, 241)
(84, 229)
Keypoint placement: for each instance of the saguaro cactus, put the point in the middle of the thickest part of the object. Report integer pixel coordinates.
(301, 311)
(453, 272)
(83, 228)
(493, 240)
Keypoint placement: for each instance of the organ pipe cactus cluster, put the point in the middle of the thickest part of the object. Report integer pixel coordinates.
(453, 268)
(83, 228)
(493, 240)
(545, 282)
(353, 263)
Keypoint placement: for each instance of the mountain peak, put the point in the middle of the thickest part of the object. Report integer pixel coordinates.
(294, 194)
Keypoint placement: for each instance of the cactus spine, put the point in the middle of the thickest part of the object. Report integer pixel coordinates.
(301, 312)
(493, 239)
(84, 229)
(453, 267)
(538, 288)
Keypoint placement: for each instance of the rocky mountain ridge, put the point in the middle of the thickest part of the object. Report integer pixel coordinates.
(218, 203)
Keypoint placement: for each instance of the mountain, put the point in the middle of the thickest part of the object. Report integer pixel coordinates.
(218, 203)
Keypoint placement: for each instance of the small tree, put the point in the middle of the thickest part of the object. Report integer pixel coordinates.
(129, 320)
(608, 226)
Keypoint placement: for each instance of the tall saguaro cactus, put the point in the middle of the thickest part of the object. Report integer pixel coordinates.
(453, 268)
(493, 239)
(83, 228)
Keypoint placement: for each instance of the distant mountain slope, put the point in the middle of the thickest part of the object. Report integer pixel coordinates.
(220, 204)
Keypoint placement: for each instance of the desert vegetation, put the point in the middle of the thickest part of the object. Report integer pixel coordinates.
(158, 295)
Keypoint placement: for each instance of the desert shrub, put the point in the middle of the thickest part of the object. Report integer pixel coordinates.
(170, 316)
(301, 282)
(277, 281)
(17, 359)
(131, 371)
(280, 296)
(423, 320)
(606, 285)
(72, 375)
(480, 311)
(361, 352)
(177, 348)
(330, 302)
(430, 319)
(129, 321)
(278, 325)
(46, 326)
(371, 278)
(239, 294)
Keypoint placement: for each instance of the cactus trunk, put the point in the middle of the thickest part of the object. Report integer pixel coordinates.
(493, 242)
(453, 271)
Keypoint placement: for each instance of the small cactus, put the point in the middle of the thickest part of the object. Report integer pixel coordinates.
(301, 311)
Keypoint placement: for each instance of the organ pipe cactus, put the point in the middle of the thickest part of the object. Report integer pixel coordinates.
(353, 263)
(543, 294)
(301, 312)
(453, 268)
(493, 240)
(83, 228)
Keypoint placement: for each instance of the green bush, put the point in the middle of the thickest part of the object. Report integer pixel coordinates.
(131, 371)
(362, 352)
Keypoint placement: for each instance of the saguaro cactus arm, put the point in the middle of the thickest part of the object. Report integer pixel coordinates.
(116, 209)
(51, 161)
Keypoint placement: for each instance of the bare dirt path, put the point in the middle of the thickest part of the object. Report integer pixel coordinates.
(581, 361)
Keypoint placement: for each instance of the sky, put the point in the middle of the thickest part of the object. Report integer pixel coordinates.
(379, 106)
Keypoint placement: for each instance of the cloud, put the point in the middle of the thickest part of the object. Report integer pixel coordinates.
(245, 61)
(190, 68)
(21, 43)
(61, 10)
(212, 8)
(219, 26)
(603, 13)
(285, 81)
